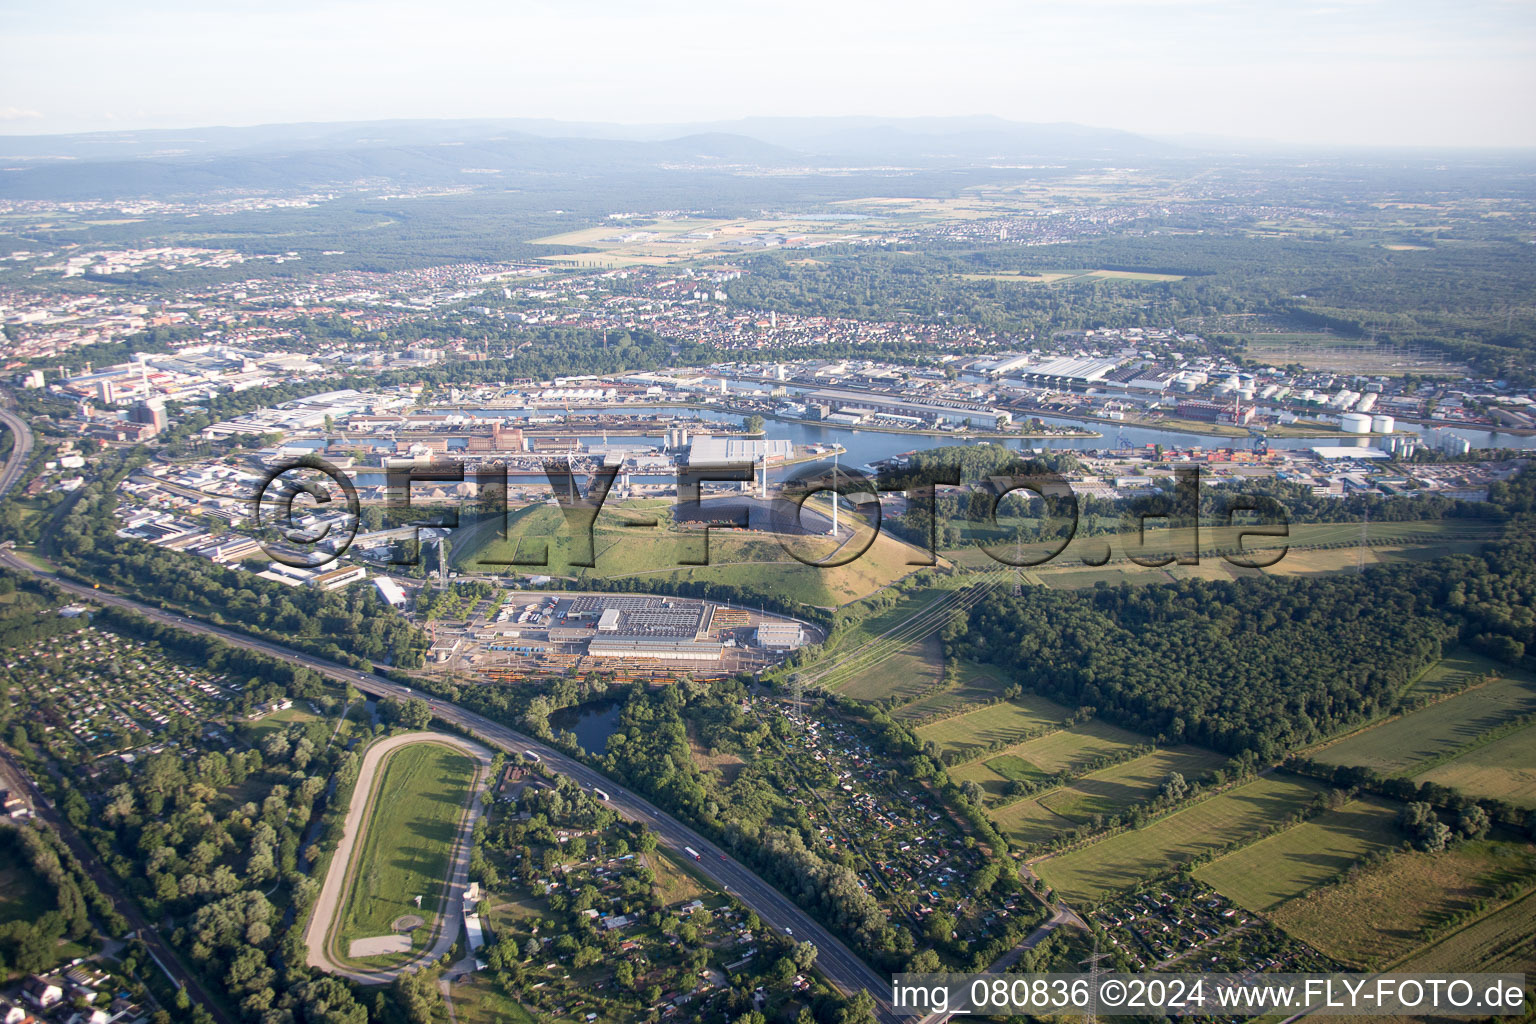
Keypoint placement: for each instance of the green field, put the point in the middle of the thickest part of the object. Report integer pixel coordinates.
(539, 536)
(1121, 860)
(1119, 786)
(408, 844)
(902, 672)
(1306, 542)
(479, 997)
(971, 685)
(1322, 351)
(23, 895)
(1505, 940)
(1284, 866)
(1502, 770)
(1037, 759)
(888, 652)
(1000, 723)
(1453, 672)
(1435, 731)
(1037, 819)
(1380, 915)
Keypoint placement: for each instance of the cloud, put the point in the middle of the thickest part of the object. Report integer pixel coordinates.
(18, 114)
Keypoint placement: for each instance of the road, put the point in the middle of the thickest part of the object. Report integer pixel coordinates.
(321, 934)
(43, 808)
(108, 884)
(834, 960)
(19, 452)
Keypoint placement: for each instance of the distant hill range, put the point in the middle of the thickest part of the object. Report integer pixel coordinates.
(433, 152)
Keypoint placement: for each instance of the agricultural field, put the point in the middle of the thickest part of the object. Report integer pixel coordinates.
(1453, 672)
(1382, 914)
(972, 684)
(1036, 819)
(1123, 859)
(1320, 351)
(1505, 940)
(664, 241)
(1037, 759)
(1437, 731)
(902, 672)
(1267, 873)
(1312, 548)
(1007, 722)
(1504, 769)
(1119, 786)
(412, 826)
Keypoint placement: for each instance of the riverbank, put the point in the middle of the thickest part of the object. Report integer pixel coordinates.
(1231, 432)
(919, 432)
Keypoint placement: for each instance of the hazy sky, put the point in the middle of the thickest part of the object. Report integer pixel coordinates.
(1330, 71)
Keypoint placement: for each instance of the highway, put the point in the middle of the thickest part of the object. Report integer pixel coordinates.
(834, 960)
(19, 452)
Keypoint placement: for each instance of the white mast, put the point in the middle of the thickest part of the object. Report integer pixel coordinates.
(834, 494)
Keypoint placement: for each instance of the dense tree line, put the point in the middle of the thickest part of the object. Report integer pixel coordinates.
(31, 945)
(1467, 300)
(1266, 664)
(1260, 665)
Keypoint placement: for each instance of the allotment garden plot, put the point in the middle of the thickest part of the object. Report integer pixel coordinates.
(109, 693)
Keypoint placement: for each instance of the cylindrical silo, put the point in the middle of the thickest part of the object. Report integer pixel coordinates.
(1355, 423)
(1381, 424)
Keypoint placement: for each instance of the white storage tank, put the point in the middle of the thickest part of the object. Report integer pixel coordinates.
(1383, 424)
(1367, 402)
(1355, 423)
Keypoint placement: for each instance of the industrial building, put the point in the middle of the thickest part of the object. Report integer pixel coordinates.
(659, 648)
(857, 403)
(338, 578)
(718, 450)
(390, 591)
(637, 627)
(1062, 371)
(778, 636)
(1216, 412)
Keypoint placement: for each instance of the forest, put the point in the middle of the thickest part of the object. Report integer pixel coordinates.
(1269, 664)
(1470, 301)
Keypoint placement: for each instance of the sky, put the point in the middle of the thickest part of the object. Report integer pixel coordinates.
(1332, 72)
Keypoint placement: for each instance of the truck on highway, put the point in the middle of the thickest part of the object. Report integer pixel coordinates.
(690, 851)
(532, 756)
(600, 794)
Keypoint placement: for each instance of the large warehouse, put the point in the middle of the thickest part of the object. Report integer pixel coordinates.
(639, 627)
(778, 636)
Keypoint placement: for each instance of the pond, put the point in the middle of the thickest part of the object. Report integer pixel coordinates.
(592, 723)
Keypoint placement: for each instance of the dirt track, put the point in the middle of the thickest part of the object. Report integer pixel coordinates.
(318, 935)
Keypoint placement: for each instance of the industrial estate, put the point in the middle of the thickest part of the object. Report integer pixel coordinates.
(705, 580)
